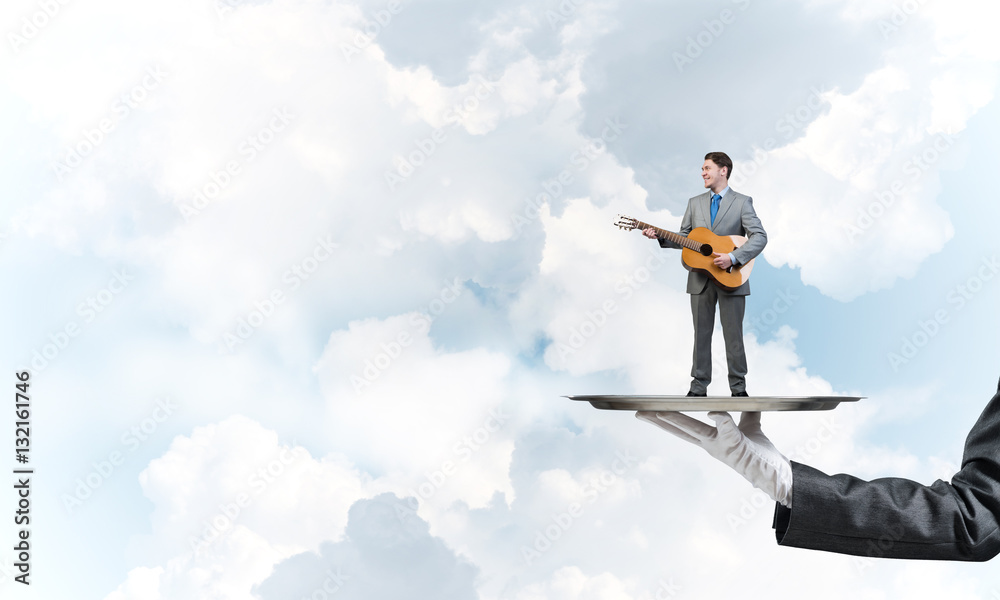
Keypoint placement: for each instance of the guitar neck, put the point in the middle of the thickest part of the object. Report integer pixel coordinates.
(671, 236)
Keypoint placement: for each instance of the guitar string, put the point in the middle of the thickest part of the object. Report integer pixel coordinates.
(673, 237)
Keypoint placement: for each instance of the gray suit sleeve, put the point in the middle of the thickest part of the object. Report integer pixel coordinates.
(755, 234)
(899, 518)
(686, 227)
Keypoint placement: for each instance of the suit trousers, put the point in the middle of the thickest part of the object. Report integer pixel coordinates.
(731, 309)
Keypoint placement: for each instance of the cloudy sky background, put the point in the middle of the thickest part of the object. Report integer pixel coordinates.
(301, 284)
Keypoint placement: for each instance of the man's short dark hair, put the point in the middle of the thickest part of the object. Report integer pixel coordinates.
(721, 159)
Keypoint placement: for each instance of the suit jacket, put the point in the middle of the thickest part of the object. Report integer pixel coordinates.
(735, 217)
(899, 518)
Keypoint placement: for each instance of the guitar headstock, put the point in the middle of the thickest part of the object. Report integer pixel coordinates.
(626, 223)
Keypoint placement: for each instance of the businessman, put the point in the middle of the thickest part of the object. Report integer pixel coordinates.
(890, 517)
(724, 212)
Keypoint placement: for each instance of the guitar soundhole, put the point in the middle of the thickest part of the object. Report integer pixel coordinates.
(705, 250)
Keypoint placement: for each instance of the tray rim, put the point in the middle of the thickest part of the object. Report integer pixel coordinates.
(586, 397)
(633, 402)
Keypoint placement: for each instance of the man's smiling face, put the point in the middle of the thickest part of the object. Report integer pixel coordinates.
(716, 177)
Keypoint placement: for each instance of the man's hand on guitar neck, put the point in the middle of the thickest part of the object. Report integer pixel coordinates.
(650, 233)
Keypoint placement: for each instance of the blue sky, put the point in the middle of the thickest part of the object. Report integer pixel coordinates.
(301, 278)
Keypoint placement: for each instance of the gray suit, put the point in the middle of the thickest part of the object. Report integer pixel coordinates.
(899, 518)
(735, 217)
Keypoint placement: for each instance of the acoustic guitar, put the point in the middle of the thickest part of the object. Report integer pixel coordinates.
(697, 249)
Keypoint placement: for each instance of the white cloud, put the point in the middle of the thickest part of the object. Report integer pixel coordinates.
(230, 501)
(570, 583)
(241, 560)
(842, 210)
(142, 582)
(387, 553)
(405, 407)
(856, 212)
(466, 415)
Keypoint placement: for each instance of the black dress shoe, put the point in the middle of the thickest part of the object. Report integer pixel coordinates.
(694, 395)
(740, 395)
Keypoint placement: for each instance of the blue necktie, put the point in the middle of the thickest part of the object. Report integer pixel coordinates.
(715, 206)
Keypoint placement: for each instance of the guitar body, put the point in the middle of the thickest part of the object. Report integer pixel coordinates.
(696, 251)
(693, 260)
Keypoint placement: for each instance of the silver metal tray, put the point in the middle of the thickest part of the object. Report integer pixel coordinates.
(710, 403)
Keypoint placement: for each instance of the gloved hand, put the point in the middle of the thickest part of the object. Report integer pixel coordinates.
(745, 448)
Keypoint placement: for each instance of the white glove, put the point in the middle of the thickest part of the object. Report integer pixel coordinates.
(745, 448)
